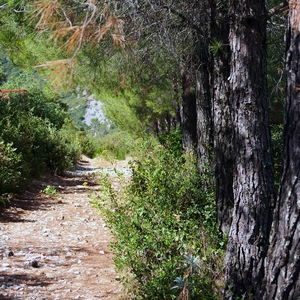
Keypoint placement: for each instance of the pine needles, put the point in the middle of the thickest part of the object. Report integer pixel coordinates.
(72, 25)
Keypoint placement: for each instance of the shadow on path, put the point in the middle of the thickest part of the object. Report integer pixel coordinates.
(34, 199)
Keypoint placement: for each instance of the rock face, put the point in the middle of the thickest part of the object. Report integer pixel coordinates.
(56, 247)
(94, 111)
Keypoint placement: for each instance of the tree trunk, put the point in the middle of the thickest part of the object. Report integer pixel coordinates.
(188, 112)
(221, 112)
(203, 106)
(283, 261)
(253, 171)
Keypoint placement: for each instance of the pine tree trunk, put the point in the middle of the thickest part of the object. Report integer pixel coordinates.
(253, 170)
(203, 106)
(221, 112)
(188, 112)
(283, 261)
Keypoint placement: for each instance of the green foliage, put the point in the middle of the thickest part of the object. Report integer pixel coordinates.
(38, 104)
(216, 47)
(134, 96)
(10, 168)
(172, 140)
(36, 135)
(88, 144)
(194, 283)
(2, 75)
(117, 108)
(63, 149)
(161, 215)
(24, 46)
(115, 145)
(50, 190)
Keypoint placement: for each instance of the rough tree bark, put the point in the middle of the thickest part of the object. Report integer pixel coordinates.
(253, 171)
(188, 113)
(283, 261)
(195, 111)
(203, 107)
(221, 114)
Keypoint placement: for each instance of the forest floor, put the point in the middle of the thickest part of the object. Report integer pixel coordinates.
(57, 247)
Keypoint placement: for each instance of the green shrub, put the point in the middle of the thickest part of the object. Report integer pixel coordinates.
(10, 168)
(37, 135)
(41, 144)
(40, 105)
(50, 190)
(89, 144)
(172, 140)
(163, 214)
(115, 145)
(63, 150)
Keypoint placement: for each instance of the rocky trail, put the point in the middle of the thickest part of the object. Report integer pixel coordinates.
(56, 247)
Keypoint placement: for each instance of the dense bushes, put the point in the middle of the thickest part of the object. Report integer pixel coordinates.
(114, 145)
(35, 134)
(163, 216)
(10, 168)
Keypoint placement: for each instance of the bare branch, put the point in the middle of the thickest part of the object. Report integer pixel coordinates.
(85, 24)
(184, 18)
(20, 11)
(277, 9)
(66, 16)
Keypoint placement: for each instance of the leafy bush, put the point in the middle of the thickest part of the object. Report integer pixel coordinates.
(115, 145)
(37, 135)
(50, 190)
(163, 214)
(63, 150)
(89, 144)
(10, 168)
(47, 107)
(172, 140)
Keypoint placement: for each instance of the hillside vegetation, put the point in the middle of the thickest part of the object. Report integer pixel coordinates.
(36, 135)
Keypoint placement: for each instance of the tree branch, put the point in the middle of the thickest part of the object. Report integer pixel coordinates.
(5, 5)
(277, 9)
(183, 18)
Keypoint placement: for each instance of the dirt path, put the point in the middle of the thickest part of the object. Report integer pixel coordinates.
(56, 248)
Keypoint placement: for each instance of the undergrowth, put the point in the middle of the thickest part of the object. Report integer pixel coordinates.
(160, 219)
(114, 145)
(35, 135)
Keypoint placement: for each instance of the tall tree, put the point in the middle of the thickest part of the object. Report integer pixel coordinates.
(283, 261)
(221, 113)
(203, 92)
(188, 112)
(253, 169)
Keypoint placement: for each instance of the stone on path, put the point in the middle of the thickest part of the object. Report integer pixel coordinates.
(56, 247)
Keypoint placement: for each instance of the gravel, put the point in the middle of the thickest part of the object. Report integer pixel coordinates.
(57, 248)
